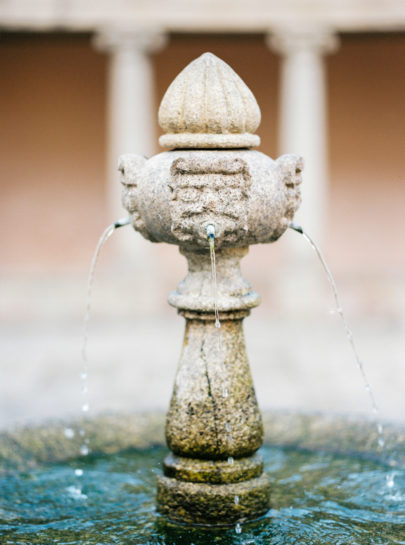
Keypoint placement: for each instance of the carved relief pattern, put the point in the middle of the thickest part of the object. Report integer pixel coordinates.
(209, 191)
(129, 166)
(291, 171)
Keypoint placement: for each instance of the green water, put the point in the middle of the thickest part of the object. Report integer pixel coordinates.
(316, 499)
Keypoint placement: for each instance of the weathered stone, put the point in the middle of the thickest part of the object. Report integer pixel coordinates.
(209, 106)
(250, 206)
(213, 504)
(234, 294)
(202, 422)
(241, 197)
(22, 448)
(213, 471)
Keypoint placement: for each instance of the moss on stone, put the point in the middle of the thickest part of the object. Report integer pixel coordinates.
(215, 472)
(211, 504)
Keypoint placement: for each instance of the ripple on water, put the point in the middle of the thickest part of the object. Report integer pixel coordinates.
(316, 499)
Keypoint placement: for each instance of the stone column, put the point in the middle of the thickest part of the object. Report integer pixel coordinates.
(131, 122)
(213, 426)
(131, 116)
(303, 130)
(302, 119)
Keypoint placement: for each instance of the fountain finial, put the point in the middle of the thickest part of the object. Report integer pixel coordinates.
(209, 106)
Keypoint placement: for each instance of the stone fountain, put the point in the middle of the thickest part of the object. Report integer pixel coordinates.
(212, 187)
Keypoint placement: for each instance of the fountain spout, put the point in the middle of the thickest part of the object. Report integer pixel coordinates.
(210, 230)
(212, 188)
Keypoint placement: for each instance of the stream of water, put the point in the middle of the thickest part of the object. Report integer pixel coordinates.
(85, 407)
(90, 281)
(211, 239)
(348, 331)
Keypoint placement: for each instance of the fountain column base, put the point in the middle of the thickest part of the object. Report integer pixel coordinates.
(213, 504)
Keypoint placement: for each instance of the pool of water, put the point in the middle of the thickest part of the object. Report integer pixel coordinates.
(317, 498)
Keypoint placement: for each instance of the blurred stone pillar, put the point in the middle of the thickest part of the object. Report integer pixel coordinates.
(303, 129)
(303, 115)
(131, 122)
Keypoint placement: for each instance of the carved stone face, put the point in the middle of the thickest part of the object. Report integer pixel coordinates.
(247, 196)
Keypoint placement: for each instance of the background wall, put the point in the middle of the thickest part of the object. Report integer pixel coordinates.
(53, 208)
(367, 138)
(52, 142)
(52, 108)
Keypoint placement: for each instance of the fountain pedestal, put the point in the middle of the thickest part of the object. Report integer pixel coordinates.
(214, 425)
(211, 182)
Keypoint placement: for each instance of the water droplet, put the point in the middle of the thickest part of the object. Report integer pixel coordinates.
(236, 500)
(84, 450)
(217, 323)
(78, 472)
(83, 375)
(85, 407)
(381, 442)
(84, 389)
(82, 433)
(380, 429)
(390, 480)
(76, 493)
(228, 427)
(69, 433)
(368, 388)
(238, 528)
(230, 460)
(224, 392)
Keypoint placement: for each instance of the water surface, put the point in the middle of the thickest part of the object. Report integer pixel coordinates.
(316, 499)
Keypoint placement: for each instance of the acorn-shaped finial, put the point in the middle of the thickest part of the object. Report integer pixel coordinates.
(209, 106)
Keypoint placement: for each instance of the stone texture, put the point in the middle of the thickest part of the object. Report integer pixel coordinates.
(234, 293)
(25, 447)
(209, 106)
(246, 198)
(212, 471)
(213, 504)
(202, 422)
(251, 204)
